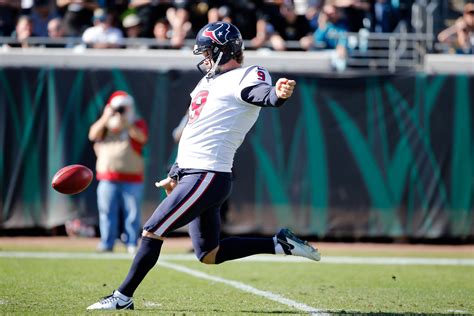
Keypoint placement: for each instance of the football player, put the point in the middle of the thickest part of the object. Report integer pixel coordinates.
(225, 105)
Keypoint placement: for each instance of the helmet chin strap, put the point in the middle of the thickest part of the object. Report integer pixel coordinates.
(212, 71)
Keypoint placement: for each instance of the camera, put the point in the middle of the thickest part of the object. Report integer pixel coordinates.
(120, 109)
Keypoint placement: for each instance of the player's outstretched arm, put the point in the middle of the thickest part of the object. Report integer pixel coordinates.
(284, 88)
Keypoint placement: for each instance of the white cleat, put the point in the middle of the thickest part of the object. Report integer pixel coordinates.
(112, 302)
(294, 246)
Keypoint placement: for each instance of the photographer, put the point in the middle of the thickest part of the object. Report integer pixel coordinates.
(119, 137)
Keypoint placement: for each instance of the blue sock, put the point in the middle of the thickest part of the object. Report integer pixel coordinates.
(146, 257)
(238, 247)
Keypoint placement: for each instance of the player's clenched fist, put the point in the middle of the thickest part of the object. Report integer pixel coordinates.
(284, 88)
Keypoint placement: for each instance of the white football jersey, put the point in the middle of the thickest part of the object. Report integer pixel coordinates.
(218, 119)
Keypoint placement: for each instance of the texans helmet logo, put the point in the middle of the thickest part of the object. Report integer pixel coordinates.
(219, 34)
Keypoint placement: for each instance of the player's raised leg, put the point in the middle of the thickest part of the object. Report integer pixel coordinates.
(205, 231)
(287, 243)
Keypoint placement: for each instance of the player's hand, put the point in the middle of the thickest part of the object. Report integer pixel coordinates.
(284, 88)
(167, 184)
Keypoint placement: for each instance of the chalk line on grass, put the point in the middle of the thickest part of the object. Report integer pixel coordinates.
(259, 258)
(151, 304)
(166, 258)
(244, 287)
(196, 273)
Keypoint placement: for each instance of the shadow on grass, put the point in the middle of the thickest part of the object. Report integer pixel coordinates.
(226, 312)
(389, 314)
(282, 312)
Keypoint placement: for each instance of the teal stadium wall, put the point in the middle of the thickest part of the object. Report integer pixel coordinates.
(382, 156)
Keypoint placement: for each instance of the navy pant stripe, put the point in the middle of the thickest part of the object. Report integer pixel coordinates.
(189, 202)
(177, 207)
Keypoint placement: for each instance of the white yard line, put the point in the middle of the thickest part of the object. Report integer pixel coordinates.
(259, 258)
(164, 262)
(196, 273)
(246, 288)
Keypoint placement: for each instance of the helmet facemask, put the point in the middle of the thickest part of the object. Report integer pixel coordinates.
(212, 59)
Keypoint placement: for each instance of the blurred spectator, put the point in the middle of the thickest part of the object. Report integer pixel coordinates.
(26, 6)
(180, 25)
(9, 10)
(331, 34)
(196, 12)
(221, 13)
(103, 34)
(77, 15)
(55, 28)
(133, 30)
(243, 14)
(40, 16)
(119, 136)
(461, 34)
(405, 13)
(23, 30)
(292, 27)
(162, 31)
(312, 11)
(268, 18)
(355, 11)
(149, 11)
(384, 17)
(117, 6)
(56, 32)
(331, 30)
(132, 26)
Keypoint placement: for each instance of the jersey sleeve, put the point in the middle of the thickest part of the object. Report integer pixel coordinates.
(256, 88)
(253, 76)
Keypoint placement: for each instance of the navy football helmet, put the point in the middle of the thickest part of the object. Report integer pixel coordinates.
(222, 41)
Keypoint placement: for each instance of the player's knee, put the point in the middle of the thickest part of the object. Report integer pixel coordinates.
(207, 260)
(207, 257)
(151, 235)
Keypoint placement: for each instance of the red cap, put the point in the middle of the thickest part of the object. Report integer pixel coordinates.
(120, 98)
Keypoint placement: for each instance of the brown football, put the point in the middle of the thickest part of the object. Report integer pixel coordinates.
(72, 179)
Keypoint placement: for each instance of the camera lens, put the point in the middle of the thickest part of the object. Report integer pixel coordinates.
(120, 110)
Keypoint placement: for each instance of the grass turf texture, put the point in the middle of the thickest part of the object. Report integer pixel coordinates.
(65, 286)
(60, 244)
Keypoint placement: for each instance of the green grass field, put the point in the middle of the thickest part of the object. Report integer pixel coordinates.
(68, 284)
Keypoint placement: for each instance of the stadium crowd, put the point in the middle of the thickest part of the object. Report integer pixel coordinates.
(313, 24)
